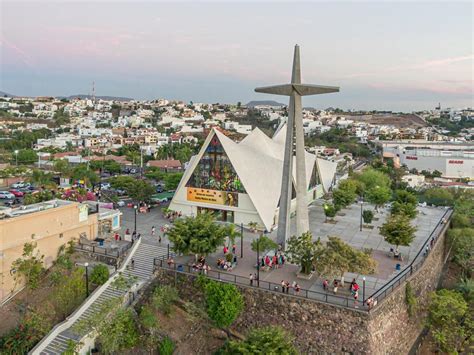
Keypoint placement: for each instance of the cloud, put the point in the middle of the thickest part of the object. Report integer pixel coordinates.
(430, 64)
(22, 55)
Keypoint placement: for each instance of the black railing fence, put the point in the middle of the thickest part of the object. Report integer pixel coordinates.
(114, 253)
(324, 296)
(415, 264)
(225, 276)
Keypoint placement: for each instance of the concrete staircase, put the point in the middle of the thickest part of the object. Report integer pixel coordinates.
(140, 272)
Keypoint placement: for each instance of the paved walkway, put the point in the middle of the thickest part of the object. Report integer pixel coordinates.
(347, 227)
(141, 272)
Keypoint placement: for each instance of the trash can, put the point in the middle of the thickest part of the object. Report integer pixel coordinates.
(180, 267)
(101, 243)
(398, 267)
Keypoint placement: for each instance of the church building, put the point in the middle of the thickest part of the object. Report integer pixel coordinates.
(240, 182)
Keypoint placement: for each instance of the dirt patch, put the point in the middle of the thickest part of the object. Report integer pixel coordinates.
(397, 120)
(191, 335)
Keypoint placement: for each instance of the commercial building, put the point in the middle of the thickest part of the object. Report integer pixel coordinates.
(48, 224)
(453, 160)
(241, 182)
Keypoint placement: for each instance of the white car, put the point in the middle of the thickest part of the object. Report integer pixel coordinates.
(121, 203)
(21, 185)
(6, 195)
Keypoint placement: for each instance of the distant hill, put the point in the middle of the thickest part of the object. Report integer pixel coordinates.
(82, 96)
(5, 94)
(264, 103)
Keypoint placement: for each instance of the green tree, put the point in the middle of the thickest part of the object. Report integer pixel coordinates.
(345, 194)
(27, 156)
(462, 253)
(406, 209)
(438, 196)
(122, 182)
(172, 180)
(199, 235)
(140, 190)
(371, 178)
(266, 340)
(303, 251)
(21, 339)
(81, 172)
(149, 327)
(224, 302)
(163, 298)
(100, 274)
(404, 196)
(449, 321)
(61, 118)
(263, 244)
(336, 257)
(112, 167)
(378, 195)
(120, 333)
(69, 293)
(368, 216)
(40, 178)
(62, 167)
(29, 267)
(329, 211)
(397, 230)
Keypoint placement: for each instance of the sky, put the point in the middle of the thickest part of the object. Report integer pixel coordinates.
(399, 56)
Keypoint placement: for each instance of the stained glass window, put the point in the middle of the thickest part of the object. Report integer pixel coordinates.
(215, 171)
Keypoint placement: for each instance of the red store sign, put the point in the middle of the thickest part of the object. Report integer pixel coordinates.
(456, 162)
(412, 158)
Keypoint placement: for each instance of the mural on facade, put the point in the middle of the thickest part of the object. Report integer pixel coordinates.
(215, 171)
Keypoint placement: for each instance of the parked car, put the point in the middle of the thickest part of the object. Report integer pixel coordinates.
(121, 203)
(6, 195)
(21, 185)
(16, 193)
(105, 185)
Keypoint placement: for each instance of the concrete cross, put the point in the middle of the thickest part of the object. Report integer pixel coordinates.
(294, 90)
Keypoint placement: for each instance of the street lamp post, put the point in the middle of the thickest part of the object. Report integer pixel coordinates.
(258, 261)
(361, 211)
(86, 265)
(241, 240)
(16, 157)
(135, 209)
(363, 290)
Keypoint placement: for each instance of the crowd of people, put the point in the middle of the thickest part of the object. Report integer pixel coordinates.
(273, 262)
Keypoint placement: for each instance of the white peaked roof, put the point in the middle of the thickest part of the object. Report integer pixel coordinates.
(258, 161)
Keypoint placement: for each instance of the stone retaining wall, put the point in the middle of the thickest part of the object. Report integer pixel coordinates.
(325, 328)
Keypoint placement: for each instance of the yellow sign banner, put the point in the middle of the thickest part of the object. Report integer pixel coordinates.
(214, 197)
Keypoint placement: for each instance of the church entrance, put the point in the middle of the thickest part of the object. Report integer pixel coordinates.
(219, 215)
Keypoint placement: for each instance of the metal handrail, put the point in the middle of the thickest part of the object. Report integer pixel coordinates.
(410, 268)
(325, 297)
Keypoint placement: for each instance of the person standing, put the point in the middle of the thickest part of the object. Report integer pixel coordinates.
(251, 279)
(283, 286)
(335, 286)
(234, 247)
(153, 230)
(325, 285)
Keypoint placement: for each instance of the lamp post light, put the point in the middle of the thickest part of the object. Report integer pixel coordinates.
(86, 265)
(363, 290)
(241, 240)
(16, 156)
(135, 209)
(361, 210)
(258, 261)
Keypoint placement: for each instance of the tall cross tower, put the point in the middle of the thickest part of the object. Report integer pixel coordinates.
(294, 137)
